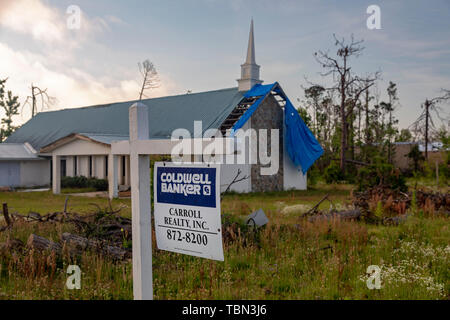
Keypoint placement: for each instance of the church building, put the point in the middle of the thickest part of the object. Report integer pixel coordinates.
(78, 140)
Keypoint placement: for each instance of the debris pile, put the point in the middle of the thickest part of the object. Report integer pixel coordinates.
(104, 232)
(394, 203)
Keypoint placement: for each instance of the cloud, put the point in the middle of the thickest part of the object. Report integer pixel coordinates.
(32, 17)
(51, 65)
(49, 25)
(115, 20)
(71, 87)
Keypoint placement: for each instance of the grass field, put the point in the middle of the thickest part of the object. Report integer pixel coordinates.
(290, 258)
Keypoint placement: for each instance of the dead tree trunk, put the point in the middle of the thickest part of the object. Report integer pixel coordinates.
(427, 115)
(6, 214)
(41, 244)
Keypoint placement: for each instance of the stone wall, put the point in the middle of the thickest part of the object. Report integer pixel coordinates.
(269, 115)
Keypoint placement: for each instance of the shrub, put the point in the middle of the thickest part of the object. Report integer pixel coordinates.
(312, 176)
(428, 171)
(74, 182)
(98, 184)
(381, 173)
(333, 173)
(83, 182)
(444, 170)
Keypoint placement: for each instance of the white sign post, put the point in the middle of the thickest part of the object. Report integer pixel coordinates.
(187, 209)
(140, 206)
(139, 147)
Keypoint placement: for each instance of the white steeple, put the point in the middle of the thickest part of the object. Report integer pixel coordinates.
(249, 70)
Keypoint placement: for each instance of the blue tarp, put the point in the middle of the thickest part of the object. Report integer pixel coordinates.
(301, 145)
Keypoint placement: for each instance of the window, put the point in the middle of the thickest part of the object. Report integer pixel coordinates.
(75, 165)
(63, 168)
(106, 166)
(123, 165)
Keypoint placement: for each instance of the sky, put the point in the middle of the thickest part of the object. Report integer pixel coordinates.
(199, 45)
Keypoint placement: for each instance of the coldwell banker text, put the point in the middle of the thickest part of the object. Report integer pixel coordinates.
(186, 183)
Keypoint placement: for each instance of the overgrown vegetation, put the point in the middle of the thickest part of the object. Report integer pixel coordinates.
(290, 258)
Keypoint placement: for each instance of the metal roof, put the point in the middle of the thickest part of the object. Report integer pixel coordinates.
(104, 121)
(17, 151)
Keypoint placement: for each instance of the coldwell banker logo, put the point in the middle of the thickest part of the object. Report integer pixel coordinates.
(188, 186)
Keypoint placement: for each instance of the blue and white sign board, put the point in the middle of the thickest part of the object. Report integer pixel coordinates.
(187, 209)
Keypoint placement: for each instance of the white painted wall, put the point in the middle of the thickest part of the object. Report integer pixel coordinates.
(9, 173)
(82, 147)
(83, 166)
(35, 173)
(70, 166)
(293, 177)
(27, 174)
(100, 162)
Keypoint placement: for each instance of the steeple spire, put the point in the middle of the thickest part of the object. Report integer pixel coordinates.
(251, 46)
(249, 70)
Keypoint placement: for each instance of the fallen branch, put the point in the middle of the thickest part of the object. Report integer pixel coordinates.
(12, 244)
(78, 244)
(41, 244)
(341, 215)
(395, 220)
(313, 209)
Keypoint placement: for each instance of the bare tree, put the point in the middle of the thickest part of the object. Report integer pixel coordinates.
(37, 94)
(150, 78)
(348, 85)
(429, 106)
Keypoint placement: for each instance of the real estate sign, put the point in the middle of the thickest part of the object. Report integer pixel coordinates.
(187, 209)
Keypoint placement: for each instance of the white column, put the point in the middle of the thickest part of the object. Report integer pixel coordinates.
(56, 183)
(140, 205)
(70, 168)
(112, 176)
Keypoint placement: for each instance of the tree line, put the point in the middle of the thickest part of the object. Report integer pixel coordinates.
(352, 124)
